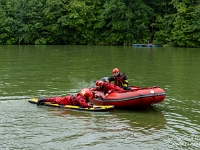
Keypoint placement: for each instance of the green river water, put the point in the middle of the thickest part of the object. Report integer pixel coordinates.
(44, 71)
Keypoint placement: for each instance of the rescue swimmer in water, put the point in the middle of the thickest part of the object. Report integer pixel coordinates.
(80, 99)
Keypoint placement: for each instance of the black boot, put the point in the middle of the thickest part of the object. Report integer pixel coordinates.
(40, 101)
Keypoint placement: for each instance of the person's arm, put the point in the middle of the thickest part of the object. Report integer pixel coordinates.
(110, 79)
(82, 101)
(125, 84)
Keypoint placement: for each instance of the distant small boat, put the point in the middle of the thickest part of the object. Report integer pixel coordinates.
(145, 45)
(136, 97)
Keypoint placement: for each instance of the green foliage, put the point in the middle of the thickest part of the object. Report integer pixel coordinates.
(180, 29)
(100, 22)
(2, 25)
(125, 22)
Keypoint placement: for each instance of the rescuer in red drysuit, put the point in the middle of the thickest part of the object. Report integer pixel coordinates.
(80, 99)
(106, 87)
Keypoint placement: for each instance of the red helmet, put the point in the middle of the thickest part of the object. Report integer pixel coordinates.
(99, 83)
(115, 70)
(86, 93)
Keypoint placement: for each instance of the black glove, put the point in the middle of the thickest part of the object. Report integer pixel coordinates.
(40, 101)
(124, 87)
(90, 105)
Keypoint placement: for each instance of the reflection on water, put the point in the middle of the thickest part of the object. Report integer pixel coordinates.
(138, 119)
(41, 127)
(44, 71)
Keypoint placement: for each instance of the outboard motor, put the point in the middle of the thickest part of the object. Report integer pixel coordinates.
(104, 79)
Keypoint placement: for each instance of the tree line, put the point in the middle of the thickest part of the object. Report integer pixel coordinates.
(100, 22)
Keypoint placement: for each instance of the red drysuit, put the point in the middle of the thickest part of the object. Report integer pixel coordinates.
(109, 88)
(78, 100)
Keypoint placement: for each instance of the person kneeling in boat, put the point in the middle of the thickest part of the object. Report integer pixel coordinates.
(80, 99)
(120, 79)
(107, 88)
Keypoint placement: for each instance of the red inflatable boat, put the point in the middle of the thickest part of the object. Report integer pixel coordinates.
(137, 97)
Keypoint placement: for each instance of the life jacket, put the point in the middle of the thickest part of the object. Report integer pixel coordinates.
(119, 81)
